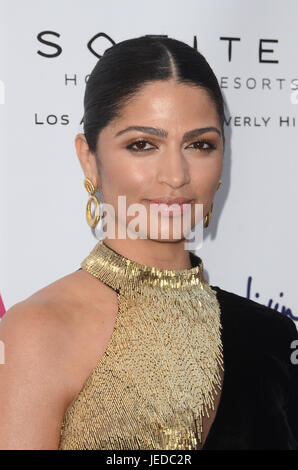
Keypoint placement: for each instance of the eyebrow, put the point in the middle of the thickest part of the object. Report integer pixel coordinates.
(163, 133)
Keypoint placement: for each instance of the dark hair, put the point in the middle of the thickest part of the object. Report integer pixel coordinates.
(127, 66)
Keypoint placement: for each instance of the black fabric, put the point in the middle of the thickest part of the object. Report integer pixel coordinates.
(258, 408)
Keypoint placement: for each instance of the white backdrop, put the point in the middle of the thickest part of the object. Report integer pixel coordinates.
(250, 246)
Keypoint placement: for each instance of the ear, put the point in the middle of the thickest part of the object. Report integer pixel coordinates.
(87, 159)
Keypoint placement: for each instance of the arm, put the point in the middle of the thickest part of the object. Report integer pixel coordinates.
(32, 388)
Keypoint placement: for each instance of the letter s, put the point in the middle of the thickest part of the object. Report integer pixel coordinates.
(48, 43)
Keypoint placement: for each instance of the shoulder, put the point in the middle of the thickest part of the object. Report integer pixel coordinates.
(40, 319)
(61, 329)
(35, 339)
(42, 332)
(242, 309)
(57, 312)
(31, 319)
(251, 324)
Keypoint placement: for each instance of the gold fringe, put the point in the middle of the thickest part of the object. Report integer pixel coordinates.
(158, 375)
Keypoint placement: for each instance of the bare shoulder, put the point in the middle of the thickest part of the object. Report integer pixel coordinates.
(76, 312)
(52, 340)
(76, 287)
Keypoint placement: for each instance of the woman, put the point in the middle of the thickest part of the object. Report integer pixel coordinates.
(135, 350)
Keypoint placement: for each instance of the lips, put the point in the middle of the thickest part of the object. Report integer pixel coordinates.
(169, 201)
(171, 207)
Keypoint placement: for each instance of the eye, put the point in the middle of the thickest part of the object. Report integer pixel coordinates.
(141, 144)
(203, 142)
(141, 148)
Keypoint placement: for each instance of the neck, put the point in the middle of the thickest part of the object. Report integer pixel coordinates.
(160, 254)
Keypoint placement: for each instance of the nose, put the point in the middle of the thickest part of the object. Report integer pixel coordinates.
(173, 169)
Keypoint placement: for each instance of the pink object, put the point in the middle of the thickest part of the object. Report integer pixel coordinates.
(2, 308)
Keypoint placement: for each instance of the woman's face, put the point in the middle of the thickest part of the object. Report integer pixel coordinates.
(162, 161)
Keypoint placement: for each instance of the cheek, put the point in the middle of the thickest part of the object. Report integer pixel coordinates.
(124, 176)
(205, 177)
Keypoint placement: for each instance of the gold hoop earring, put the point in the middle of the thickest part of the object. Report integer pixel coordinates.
(92, 220)
(208, 216)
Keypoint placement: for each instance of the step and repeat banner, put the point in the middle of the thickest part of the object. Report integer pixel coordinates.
(47, 51)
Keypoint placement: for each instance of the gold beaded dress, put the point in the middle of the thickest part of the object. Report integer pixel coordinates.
(160, 371)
